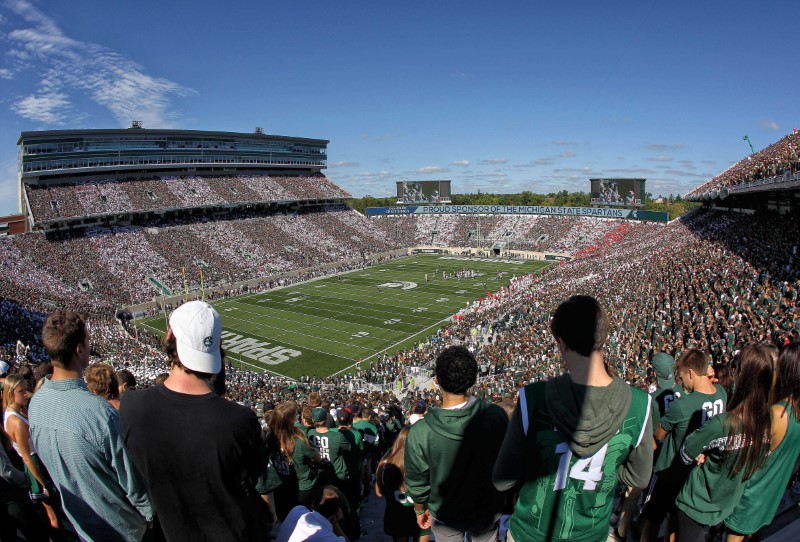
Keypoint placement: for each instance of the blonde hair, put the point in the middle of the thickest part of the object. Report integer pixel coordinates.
(9, 386)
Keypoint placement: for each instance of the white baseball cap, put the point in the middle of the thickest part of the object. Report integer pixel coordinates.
(198, 335)
(4, 367)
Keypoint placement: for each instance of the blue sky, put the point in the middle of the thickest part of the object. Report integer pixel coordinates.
(497, 96)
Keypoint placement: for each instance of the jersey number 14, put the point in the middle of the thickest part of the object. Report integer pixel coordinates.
(589, 469)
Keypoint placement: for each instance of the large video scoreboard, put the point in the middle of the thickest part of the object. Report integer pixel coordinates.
(421, 192)
(618, 192)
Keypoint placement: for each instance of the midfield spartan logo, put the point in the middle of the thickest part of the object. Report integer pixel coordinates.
(257, 350)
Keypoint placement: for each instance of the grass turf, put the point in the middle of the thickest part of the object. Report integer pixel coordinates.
(324, 326)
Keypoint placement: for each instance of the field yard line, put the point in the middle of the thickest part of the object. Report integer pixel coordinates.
(381, 318)
(325, 304)
(411, 304)
(300, 333)
(387, 292)
(402, 298)
(275, 309)
(277, 288)
(392, 346)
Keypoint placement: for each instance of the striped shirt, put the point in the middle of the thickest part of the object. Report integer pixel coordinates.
(78, 438)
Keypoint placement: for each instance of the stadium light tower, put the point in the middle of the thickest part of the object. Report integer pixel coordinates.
(746, 138)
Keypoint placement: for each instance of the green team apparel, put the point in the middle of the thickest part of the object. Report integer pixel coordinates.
(332, 446)
(565, 497)
(763, 492)
(300, 466)
(352, 458)
(685, 415)
(369, 431)
(711, 493)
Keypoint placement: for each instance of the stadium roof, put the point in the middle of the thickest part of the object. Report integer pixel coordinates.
(155, 132)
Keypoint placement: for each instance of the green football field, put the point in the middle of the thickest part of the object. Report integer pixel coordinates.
(324, 326)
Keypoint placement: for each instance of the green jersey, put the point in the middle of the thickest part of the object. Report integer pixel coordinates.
(662, 399)
(300, 467)
(684, 416)
(764, 491)
(369, 431)
(332, 446)
(353, 457)
(565, 497)
(711, 493)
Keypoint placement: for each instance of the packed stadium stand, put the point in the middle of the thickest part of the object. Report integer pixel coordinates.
(100, 268)
(113, 196)
(774, 168)
(105, 238)
(515, 232)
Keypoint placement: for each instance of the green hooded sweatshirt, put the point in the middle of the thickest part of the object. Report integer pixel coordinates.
(449, 457)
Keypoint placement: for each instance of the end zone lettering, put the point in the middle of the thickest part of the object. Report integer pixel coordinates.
(257, 350)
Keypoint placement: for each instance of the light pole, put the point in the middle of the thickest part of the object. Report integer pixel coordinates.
(746, 138)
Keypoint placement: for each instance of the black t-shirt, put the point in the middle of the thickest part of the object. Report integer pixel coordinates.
(199, 455)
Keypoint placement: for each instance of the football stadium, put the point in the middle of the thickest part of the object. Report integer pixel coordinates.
(410, 272)
(319, 300)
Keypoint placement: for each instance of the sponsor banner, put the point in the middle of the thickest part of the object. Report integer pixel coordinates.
(427, 251)
(598, 212)
(553, 257)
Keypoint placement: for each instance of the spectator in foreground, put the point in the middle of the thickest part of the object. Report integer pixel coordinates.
(728, 449)
(399, 520)
(450, 453)
(102, 380)
(319, 525)
(16, 511)
(702, 400)
(126, 380)
(199, 453)
(763, 492)
(293, 459)
(572, 436)
(78, 438)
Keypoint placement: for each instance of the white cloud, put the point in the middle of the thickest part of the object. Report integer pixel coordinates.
(6, 74)
(366, 175)
(567, 154)
(769, 125)
(661, 159)
(344, 164)
(432, 169)
(665, 147)
(109, 79)
(493, 161)
(460, 163)
(50, 108)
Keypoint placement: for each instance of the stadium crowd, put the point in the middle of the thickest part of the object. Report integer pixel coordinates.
(664, 304)
(565, 234)
(779, 159)
(329, 447)
(94, 268)
(138, 195)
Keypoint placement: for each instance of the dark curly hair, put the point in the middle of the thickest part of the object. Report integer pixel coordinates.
(456, 370)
